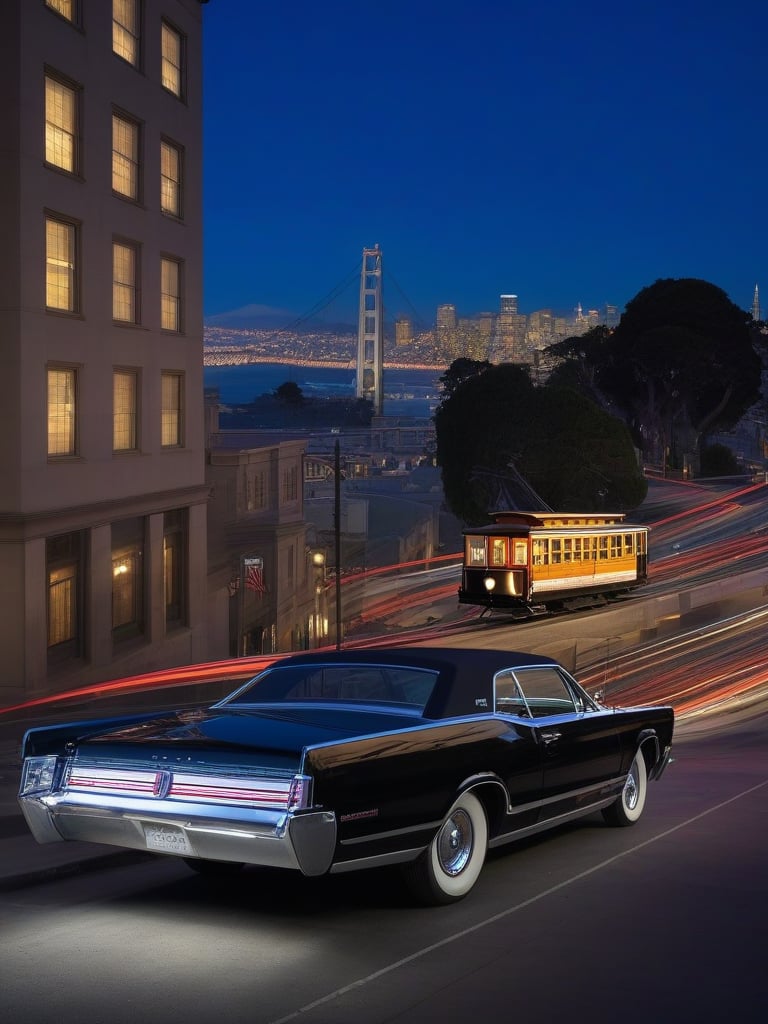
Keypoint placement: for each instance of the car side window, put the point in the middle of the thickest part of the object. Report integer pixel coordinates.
(507, 697)
(545, 691)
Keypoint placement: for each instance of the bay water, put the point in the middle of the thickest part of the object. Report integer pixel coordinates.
(407, 392)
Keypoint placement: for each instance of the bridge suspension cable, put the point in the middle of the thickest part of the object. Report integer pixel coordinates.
(323, 303)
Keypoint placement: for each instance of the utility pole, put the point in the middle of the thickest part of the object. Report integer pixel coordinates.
(337, 535)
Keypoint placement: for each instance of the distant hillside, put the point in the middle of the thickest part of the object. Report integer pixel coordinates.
(255, 317)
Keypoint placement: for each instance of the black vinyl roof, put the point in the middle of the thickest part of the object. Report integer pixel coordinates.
(465, 674)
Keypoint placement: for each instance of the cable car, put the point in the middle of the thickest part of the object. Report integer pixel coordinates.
(529, 559)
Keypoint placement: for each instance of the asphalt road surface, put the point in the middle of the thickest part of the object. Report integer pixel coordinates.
(665, 921)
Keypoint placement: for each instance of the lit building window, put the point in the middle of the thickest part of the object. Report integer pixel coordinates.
(66, 8)
(125, 30)
(61, 605)
(170, 178)
(174, 559)
(60, 269)
(172, 388)
(61, 124)
(170, 294)
(125, 410)
(127, 578)
(125, 157)
(172, 60)
(125, 298)
(62, 409)
(64, 561)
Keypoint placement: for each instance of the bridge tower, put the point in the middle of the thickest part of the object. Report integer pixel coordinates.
(370, 332)
(756, 305)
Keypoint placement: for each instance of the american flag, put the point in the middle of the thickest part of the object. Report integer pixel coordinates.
(254, 579)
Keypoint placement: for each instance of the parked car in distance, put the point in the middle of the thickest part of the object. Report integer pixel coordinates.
(332, 762)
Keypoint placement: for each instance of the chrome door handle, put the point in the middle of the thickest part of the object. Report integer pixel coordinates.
(550, 737)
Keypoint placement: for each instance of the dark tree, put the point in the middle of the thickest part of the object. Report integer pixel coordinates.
(580, 359)
(459, 371)
(680, 364)
(497, 426)
(290, 393)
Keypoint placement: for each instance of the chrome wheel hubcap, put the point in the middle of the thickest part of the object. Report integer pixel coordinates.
(630, 789)
(454, 844)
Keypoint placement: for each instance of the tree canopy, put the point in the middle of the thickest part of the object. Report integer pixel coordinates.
(680, 364)
(290, 393)
(497, 434)
(460, 370)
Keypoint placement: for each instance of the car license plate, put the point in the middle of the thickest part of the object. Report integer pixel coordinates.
(167, 839)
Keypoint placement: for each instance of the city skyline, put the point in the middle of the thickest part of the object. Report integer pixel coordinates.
(567, 155)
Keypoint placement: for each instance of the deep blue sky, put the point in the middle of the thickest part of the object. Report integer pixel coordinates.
(566, 152)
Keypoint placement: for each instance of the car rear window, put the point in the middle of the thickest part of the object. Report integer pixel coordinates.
(374, 684)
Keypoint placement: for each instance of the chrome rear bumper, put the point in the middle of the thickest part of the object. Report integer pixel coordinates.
(302, 840)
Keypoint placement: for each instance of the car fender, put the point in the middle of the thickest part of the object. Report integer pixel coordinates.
(648, 745)
(492, 793)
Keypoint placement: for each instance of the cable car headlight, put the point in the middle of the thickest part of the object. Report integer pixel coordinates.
(489, 583)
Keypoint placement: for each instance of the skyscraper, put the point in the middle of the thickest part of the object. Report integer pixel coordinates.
(510, 331)
(403, 332)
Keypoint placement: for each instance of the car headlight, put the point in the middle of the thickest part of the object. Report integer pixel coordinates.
(38, 775)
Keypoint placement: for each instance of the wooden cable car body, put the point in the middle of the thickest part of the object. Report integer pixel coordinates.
(529, 559)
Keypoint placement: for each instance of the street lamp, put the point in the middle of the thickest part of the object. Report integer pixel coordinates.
(320, 627)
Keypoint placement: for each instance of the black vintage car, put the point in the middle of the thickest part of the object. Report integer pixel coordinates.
(330, 762)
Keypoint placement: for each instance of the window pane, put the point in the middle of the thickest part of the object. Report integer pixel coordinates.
(63, 557)
(170, 179)
(61, 605)
(174, 546)
(60, 125)
(171, 60)
(125, 157)
(476, 551)
(170, 295)
(125, 30)
(126, 583)
(124, 305)
(127, 578)
(65, 7)
(60, 265)
(61, 412)
(171, 410)
(124, 411)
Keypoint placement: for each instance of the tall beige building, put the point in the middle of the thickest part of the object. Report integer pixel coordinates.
(102, 462)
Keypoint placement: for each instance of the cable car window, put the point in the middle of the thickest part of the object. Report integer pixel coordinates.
(577, 551)
(557, 555)
(567, 549)
(498, 551)
(540, 552)
(615, 546)
(629, 543)
(602, 547)
(521, 552)
(475, 550)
